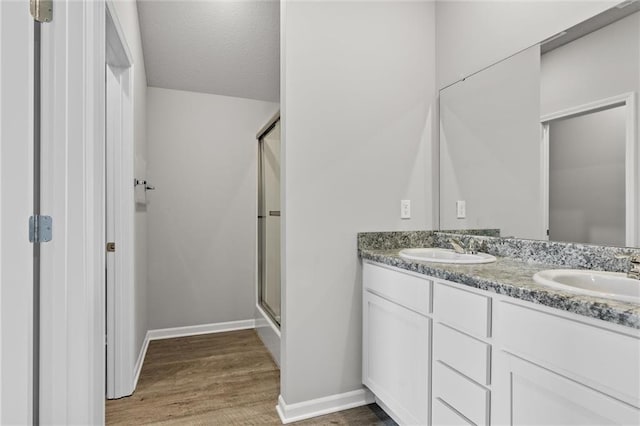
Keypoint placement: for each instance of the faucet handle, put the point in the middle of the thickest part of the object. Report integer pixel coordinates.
(634, 267)
(471, 247)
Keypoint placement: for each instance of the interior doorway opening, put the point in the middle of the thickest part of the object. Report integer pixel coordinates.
(590, 173)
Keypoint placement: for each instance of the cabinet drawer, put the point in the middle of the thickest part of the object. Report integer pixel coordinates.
(465, 396)
(443, 415)
(462, 309)
(604, 359)
(405, 289)
(464, 353)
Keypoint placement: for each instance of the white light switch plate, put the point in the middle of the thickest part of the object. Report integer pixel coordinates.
(405, 209)
(461, 209)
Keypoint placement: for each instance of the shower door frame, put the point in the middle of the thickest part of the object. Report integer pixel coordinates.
(262, 216)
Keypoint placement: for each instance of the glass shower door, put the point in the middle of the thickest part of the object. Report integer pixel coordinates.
(269, 222)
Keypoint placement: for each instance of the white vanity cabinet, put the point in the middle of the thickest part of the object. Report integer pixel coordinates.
(396, 342)
(441, 353)
(558, 368)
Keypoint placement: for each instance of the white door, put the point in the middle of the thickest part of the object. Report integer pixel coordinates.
(398, 377)
(16, 194)
(537, 396)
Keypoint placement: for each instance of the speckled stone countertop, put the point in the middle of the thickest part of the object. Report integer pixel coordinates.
(512, 276)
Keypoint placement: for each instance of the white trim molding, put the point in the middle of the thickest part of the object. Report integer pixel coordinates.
(137, 369)
(194, 330)
(72, 357)
(320, 406)
(120, 210)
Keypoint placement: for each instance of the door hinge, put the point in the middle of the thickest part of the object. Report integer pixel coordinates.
(111, 247)
(40, 229)
(41, 10)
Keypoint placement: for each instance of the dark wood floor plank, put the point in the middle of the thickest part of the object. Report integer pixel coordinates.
(215, 379)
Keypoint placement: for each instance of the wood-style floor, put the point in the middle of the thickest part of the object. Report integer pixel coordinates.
(215, 379)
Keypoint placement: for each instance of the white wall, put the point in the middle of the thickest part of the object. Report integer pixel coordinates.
(472, 35)
(202, 215)
(599, 65)
(127, 14)
(358, 102)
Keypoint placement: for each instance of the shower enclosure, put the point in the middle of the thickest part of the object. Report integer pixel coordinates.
(269, 219)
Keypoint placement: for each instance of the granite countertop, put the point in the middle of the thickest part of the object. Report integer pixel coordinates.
(514, 278)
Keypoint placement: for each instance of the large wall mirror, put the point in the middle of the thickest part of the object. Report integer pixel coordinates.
(544, 144)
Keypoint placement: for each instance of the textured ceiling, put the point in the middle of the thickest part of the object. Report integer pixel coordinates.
(224, 47)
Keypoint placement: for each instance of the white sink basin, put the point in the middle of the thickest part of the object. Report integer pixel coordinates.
(610, 285)
(439, 255)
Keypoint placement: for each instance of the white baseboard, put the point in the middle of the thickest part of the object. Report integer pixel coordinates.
(138, 367)
(318, 407)
(194, 330)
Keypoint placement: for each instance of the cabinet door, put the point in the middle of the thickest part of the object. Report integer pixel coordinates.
(396, 358)
(532, 395)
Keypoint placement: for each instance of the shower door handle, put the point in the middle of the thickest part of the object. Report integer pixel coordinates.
(274, 212)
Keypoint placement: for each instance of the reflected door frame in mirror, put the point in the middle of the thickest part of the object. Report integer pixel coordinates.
(632, 158)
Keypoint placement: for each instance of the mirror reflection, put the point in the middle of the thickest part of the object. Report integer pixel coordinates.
(543, 145)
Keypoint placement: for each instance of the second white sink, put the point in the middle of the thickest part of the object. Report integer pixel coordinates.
(609, 285)
(440, 255)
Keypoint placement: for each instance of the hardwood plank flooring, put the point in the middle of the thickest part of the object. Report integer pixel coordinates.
(215, 379)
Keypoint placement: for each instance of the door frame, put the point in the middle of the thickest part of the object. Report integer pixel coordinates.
(119, 177)
(72, 352)
(632, 159)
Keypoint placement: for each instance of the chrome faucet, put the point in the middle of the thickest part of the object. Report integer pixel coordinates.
(634, 267)
(459, 247)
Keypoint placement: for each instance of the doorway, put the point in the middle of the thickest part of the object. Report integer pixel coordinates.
(119, 212)
(269, 294)
(590, 173)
